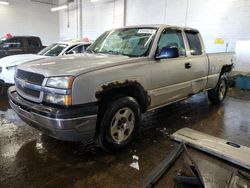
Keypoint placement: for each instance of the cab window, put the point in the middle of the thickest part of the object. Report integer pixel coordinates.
(33, 42)
(194, 42)
(172, 38)
(53, 50)
(13, 43)
(78, 49)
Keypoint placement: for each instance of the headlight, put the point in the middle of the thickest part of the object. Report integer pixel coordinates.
(60, 82)
(57, 99)
(11, 68)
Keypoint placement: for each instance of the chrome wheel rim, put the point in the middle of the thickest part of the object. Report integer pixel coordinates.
(222, 90)
(122, 125)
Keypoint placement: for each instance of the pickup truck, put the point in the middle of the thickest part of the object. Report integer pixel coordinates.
(13, 45)
(8, 64)
(125, 72)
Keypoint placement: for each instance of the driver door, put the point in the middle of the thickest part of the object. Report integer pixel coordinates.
(171, 77)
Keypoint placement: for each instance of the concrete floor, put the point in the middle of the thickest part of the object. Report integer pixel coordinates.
(29, 159)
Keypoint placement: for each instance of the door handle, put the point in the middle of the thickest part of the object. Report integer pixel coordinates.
(188, 65)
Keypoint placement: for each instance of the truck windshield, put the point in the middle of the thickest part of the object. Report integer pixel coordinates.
(53, 50)
(134, 42)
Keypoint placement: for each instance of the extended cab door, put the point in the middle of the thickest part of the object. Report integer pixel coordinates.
(34, 45)
(197, 60)
(171, 78)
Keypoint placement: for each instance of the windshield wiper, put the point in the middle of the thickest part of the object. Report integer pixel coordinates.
(110, 52)
(91, 51)
(129, 55)
(118, 53)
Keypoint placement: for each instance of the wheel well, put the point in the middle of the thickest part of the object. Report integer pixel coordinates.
(128, 88)
(226, 69)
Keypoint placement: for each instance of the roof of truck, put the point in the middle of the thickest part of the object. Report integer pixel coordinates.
(71, 42)
(159, 26)
(26, 36)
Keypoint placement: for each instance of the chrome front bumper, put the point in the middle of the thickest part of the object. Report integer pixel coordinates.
(63, 124)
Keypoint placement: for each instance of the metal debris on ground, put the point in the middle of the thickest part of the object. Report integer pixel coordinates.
(221, 148)
(189, 177)
(135, 162)
(164, 131)
(239, 180)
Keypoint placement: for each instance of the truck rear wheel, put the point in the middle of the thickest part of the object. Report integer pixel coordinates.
(218, 94)
(119, 124)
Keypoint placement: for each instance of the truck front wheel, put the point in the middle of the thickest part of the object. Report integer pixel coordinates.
(120, 123)
(218, 94)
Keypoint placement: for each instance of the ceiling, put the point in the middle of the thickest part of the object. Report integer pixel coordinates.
(50, 2)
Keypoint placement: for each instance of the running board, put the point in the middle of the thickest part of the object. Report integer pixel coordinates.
(224, 149)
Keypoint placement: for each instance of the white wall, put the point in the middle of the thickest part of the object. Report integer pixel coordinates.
(68, 22)
(145, 12)
(101, 16)
(24, 17)
(226, 19)
(96, 18)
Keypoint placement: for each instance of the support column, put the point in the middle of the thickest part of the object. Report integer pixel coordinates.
(125, 13)
(80, 19)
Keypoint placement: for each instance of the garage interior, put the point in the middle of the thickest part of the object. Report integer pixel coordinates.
(31, 159)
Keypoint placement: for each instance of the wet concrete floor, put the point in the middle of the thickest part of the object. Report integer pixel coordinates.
(29, 159)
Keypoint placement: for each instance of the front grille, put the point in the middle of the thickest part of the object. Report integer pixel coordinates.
(30, 77)
(28, 91)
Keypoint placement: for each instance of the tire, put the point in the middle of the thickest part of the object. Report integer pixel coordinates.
(119, 124)
(218, 94)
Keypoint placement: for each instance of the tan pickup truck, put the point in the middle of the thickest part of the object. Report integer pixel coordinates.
(125, 72)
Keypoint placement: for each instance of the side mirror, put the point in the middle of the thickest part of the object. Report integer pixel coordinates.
(167, 53)
(192, 52)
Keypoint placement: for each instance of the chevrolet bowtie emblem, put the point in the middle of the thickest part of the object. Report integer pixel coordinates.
(22, 83)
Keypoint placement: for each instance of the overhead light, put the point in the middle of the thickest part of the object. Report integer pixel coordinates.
(4, 3)
(59, 8)
(93, 1)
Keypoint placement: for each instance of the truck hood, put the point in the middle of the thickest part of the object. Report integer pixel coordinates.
(18, 59)
(74, 65)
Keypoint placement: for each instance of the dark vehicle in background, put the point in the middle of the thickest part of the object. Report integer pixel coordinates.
(13, 45)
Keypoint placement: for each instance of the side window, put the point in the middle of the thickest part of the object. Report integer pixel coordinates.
(86, 46)
(69, 49)
(76, 50)
(194, 42)
(33, 42)
(172, 38)
(14, 43)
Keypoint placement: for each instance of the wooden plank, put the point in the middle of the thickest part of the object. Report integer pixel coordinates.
(221, 148)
